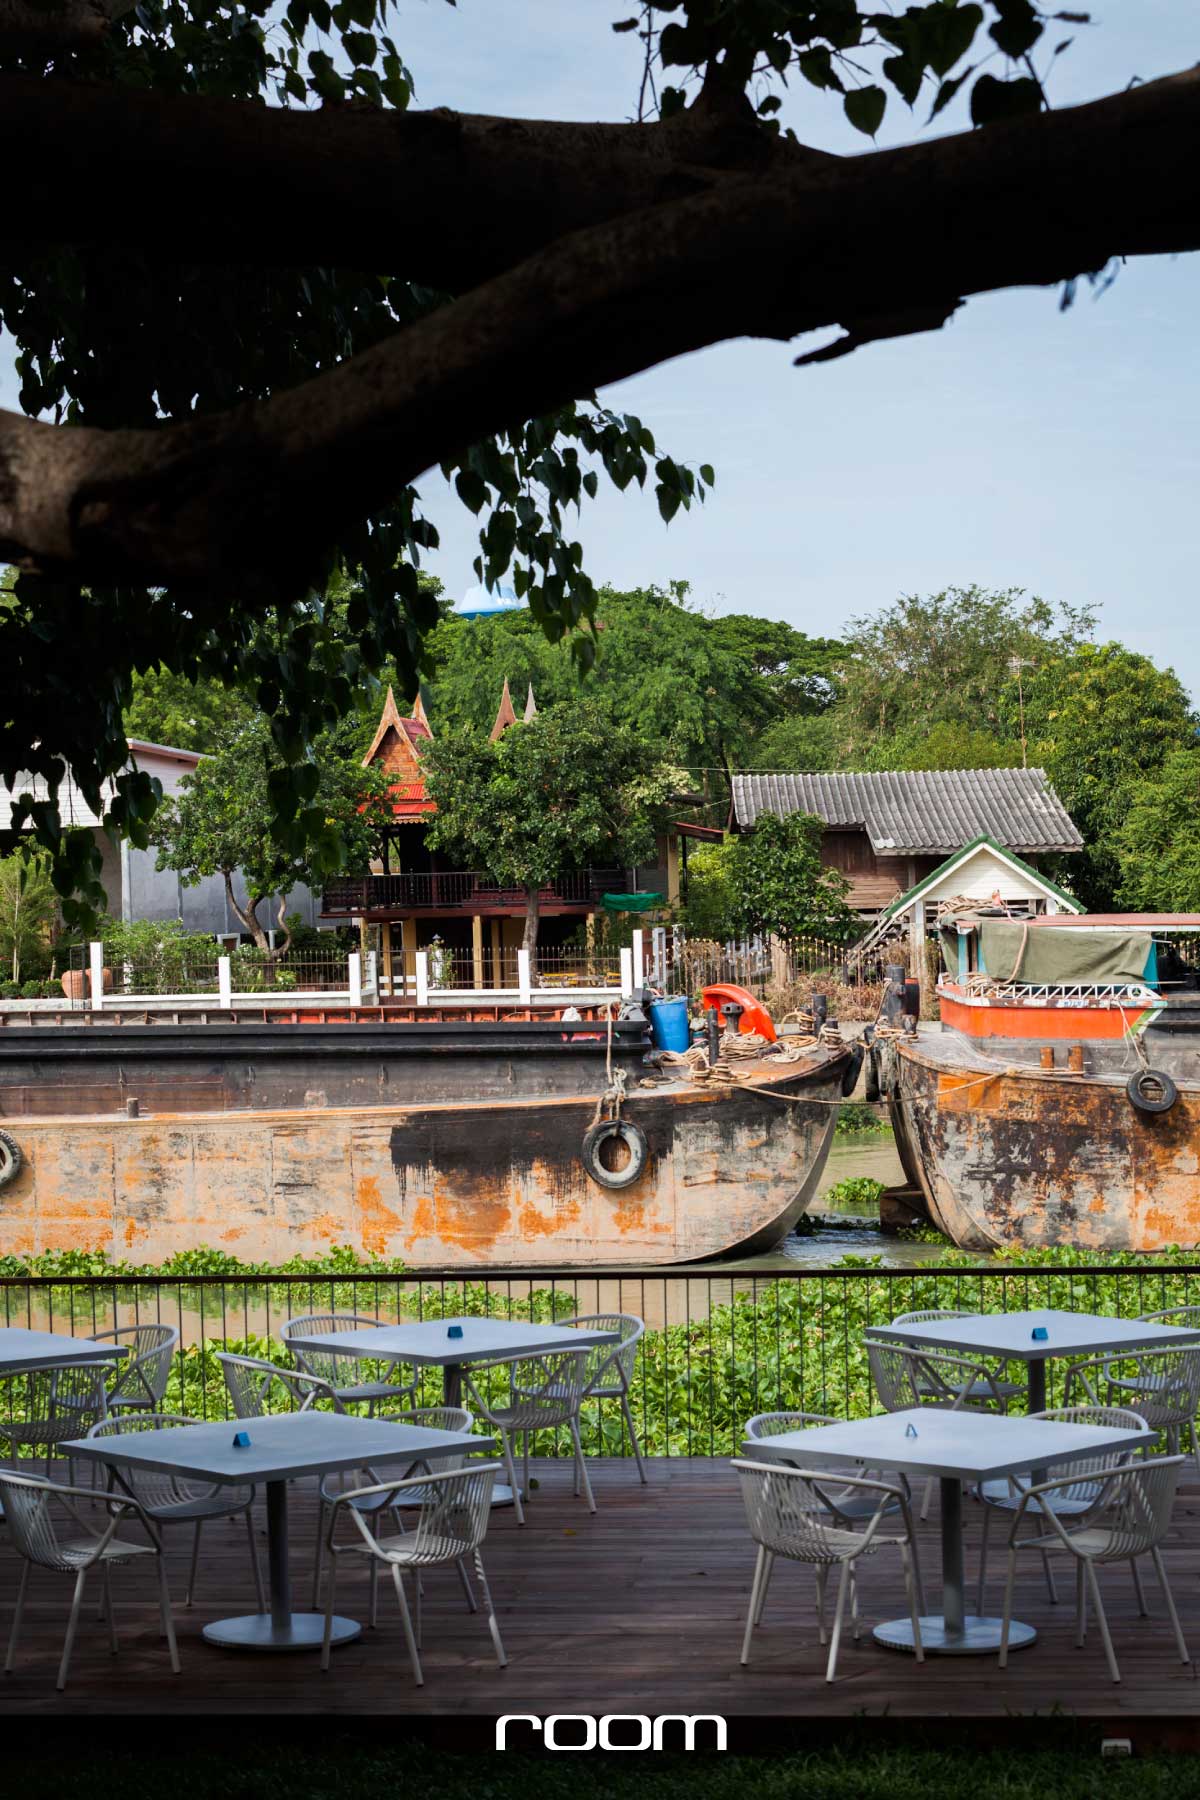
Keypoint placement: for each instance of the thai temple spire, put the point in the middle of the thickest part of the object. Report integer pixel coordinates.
(505, 716)
(419, 713)
(530, 705)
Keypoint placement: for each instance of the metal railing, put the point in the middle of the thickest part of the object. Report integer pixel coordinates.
(456, 890)
(719, 1346)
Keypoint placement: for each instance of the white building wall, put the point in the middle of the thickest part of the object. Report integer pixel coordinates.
(980, 878)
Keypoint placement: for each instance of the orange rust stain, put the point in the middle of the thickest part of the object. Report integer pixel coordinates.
(535, 1224)
(378, 1222)
(1098, 1205)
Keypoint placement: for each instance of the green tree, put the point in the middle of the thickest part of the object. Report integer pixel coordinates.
(1101, 720)
(166, 708)
(565, 790)
(28, 908)
(1157, 842)
(949, 744)
(803, 741)
(709, 905)
(219, 823)
(779, 885)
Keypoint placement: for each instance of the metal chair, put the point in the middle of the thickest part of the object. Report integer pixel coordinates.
(1188, 1316)
(173, 1499)
(142, 1376)
(1076, 1500)
(544, 1392)
(1129, 1519)
(610, 1367)
(909, 1375)
(335, 1366)
(56, 1405)
(1161, 1386)
(452, 1525)
(1008, 1388)
(28, 1502)
(251, 1381)
(788, 1516)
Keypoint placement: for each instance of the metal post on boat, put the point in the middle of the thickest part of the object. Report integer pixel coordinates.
(894, 975)
(713, 1027)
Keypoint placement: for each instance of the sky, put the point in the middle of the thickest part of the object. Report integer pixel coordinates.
(1019, 447)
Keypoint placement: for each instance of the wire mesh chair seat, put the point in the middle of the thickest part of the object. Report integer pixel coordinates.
(338, 1367)
(981, 1390)
(252, 1382)
(142, 1376)
(171, 1498)
(450, 1528)
(849, 1506)
(610, 1367)
(1131, 1517)
(544, 1392)
(29, 1503)
(1161, 1386)
(788, 1516)
(58, 1404)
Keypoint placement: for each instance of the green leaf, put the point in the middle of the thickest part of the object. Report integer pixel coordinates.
(707, 475)
(1017, 29)
(626, 25)
(992, 99)
(668, 501)
(948, 89)
(865, 108)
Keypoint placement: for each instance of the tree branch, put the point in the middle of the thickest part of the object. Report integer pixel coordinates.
(247, 497)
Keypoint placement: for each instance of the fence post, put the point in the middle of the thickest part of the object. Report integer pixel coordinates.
(524, 978)
(96, 965)
(225, 983)
(422, 962)
(639, 957)
(354, 970)
(626, 974)
(371, 981)
(658, 956)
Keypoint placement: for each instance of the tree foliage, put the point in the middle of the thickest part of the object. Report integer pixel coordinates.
(779, 885)
(1157, 842)
(28, 910)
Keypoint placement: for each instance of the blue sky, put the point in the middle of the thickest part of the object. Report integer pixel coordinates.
(1021, 446)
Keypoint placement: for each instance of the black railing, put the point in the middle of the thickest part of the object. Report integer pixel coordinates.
(457, 890)
(718, 1348)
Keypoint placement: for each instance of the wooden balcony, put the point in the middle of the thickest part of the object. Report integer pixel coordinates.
(460, 891)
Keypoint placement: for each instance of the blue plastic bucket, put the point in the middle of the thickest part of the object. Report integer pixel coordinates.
(669, 1024)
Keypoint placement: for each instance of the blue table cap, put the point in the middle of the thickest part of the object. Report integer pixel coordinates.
(455, 1331)
(910, 1429)
(1040, 1334)
(241, 1440)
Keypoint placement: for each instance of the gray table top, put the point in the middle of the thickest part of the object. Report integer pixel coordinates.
(428, 1342)
(21, 1349)
(1068, 1334)
(281, 1448)
(970, 1446)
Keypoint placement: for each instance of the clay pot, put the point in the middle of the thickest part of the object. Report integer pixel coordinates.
(77, 985)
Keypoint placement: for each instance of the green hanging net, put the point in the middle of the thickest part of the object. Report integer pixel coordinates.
(631, 902)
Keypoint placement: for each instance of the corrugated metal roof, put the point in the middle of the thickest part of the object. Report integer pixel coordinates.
(916, 812)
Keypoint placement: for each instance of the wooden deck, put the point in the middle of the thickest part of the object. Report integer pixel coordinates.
(639, 1609)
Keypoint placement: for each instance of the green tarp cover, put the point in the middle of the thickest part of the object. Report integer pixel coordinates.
(630, 902)
(1010, 951)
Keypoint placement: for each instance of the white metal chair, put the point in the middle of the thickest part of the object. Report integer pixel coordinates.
(544, 1392)
(1188, 1316)
(1073, 1501)
(788, 1515)
(452, 1525)
(1129, 1519)
(174, 1499)
(1161, 1386)
(142, 1376)
(253, 1383)
(909, 1375)
(29, 1502)
(55, 1405)
(986, 1392)
(610, 1367)
(339, 1367)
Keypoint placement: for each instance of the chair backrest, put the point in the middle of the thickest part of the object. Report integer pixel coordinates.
(453, 1521)
(934, 1312)
(543, 1390)
(153, 1487)
(439, 1418)
(332, 1366)
(774, 1424)
(1174, 1315)
(1138, 1499)
(787, 1511)
(144, 1373)
(1090, 1469)
(28, 1502)
(895, 1371)
(610, 1362)
(61, 1403)
(254, 1385)
(1165, 1385)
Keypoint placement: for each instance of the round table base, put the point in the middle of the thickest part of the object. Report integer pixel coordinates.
(255, 1631)
(977, 1638)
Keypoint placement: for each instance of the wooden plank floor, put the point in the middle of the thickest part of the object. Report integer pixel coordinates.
(637, 1609)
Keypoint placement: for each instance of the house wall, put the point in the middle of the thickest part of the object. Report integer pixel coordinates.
(980, 878)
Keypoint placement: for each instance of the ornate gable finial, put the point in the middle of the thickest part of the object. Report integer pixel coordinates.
(419, 713)
(530, 705)
(505, 716)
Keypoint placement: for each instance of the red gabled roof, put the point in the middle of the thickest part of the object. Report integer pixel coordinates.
(396, 749)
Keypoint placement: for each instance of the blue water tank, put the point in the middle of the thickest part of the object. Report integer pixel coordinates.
(669, 1024)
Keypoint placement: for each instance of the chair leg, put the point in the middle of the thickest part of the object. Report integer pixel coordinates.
(17, 1614)
(1160, 1571)
(409, 1639)
(191, 1586)
(1080, 1606)
(926, 1500)
(1006, 1616)
(510, 1471)
(493, 1624)
(1101, 1620)
(768, 1570)
(1138, 1588)
(835, 1640)
(106, 1589)
(752, 1609)
(1051, 1590)
(853, 1603)
(525, 1465)
(1195, 1445)
(318, 1557)
(587, 1485)
(467, 1589)
(910, 1588)
(983, 1550)
(72, 1622)
(164, 1607)
(373, 1614)
(822, 1578)
(260, 1596)
(330, 1585)
(637, 1448)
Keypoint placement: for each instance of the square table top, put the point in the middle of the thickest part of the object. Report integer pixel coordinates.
(282, 1447)
(427, 1342)
(1068, 1334)
(970, 1446)
(21, 1349)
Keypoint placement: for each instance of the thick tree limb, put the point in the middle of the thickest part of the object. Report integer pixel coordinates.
(244, 498)
(57, 25)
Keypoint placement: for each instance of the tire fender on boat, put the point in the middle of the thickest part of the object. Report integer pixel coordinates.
(11, 1159)
(634, 1139)
(1152, 1091)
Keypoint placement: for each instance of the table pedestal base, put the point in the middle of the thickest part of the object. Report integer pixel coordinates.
(978, 1636)
(257, 1631)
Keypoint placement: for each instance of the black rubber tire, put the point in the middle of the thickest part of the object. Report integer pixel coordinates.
(852, 1070)
(632, 1136)
(11, 1159)
(1152, 1091)
(872, 1091)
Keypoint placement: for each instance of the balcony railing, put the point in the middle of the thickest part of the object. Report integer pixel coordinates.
(458, 890)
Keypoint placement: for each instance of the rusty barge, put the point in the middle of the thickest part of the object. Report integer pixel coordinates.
(439, 1140)
(1059, 1103)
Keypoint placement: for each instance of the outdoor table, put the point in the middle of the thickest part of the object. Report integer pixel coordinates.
(21, 1350)
(956, 1447)
(427, 1343)
(282, 1448)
